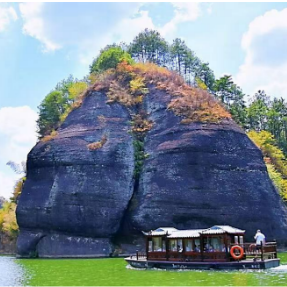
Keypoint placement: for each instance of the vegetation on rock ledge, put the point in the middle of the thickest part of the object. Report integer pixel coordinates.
(98, 144)
(274, 159)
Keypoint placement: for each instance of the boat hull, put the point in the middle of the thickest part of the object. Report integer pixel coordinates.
(173, 265)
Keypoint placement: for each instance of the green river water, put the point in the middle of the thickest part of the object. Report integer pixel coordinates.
(115, 272)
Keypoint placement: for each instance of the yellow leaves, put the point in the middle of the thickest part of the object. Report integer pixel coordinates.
(49, 137)
(137, 85)
(76, 89)
(98, 144)
(65, 114)
(278, 180)
(138, 99)
(8, 222)
(200, 84)
(18, 189)
(274, 159)
(140, 124)
(93, 78)
(266, 142)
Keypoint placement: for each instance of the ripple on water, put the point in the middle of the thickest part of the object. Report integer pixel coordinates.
(12, 274)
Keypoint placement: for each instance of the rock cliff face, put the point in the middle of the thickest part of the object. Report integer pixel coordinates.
(83, 202)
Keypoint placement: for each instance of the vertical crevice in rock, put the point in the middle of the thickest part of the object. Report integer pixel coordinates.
(140, 125)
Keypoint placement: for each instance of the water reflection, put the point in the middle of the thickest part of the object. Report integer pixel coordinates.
(12, 274)
(114, 272)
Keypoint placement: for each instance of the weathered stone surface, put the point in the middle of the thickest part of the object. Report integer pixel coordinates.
(76, 191)
(199, 175)
(58, 245)
(78, 202)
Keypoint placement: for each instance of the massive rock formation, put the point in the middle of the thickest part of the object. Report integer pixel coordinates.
(87, 202)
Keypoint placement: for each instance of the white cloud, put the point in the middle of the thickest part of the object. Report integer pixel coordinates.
(7, 14)
(265, 64)
(85, 28)
(80, 26)
(34, 26)
(117, 34)
(184, 12)
(17, 137)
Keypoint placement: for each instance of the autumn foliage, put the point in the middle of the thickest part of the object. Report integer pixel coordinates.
(274, 159)
(98, 144)
(127, 84)
(8, 223)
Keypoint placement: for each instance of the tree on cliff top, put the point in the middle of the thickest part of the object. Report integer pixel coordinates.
(109, 58)
(149, 46)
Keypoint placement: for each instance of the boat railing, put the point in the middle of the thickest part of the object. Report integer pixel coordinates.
(139, 255)
(265, 251)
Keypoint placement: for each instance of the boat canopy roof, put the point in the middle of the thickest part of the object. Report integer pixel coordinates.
(220, 229)
(192, 233)
(172, 232)
(161, 231)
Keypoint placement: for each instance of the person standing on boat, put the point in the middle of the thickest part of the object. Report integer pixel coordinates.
(260, 238)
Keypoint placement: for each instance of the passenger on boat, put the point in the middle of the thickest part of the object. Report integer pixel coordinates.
(206, 247)
(196, 249)
(211, 249)
(259, 237)
(179, 248)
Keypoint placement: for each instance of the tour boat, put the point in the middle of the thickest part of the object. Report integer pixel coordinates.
(217, 247)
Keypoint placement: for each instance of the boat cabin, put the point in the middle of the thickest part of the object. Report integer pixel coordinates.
(211, 244)
(217, 247)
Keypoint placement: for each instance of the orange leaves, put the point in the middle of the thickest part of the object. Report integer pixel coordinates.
(124, 67)
(103, 80)
(197, 105)
(99, 144)
(127, 85)
(117, 93)
(140, 124)
(49, 137)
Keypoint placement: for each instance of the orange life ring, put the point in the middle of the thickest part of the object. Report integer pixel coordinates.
(235, 256)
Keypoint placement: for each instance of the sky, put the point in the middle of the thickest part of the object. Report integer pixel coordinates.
(43, 43)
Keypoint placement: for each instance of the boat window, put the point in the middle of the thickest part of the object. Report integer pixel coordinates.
(188, 244)
(179, 245)
(157, 243)
(214, 244)
(163, 246)
(197, 245)
(236, 239)
(149, 246)
(173, 245)
(217, 244)
(241, 239)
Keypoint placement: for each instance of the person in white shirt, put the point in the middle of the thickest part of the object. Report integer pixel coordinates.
(259, 237)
